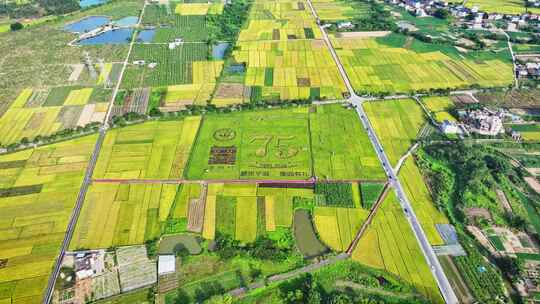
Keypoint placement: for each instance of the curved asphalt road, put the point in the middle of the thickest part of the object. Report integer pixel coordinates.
(438, 273)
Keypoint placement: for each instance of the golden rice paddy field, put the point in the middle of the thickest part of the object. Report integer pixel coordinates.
(38, 189)
(439, 106)
(155, 149)
(289, 70)
(44, 112)
(123, 214)
(337, 226)
(397, 123)
(190, 9)
(390, 244)
(284, 56)
(514, 7)
(374, 67)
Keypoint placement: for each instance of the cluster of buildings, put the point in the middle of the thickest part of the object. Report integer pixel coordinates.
(528, 70)
(97, 274)
(483, 121)
(471, 16)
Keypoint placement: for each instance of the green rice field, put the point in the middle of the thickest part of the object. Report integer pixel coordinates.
(339, 10)
(421, 201)
(390, 244)
(38, 190)
(397, 123)
(246, 211)
(347, 156)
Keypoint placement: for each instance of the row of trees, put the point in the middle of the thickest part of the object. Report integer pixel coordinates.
(37, 8)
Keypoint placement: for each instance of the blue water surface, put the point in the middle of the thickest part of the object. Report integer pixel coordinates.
(218, 51)
(146, 36)
(87, 24)
(127, 21)
(118, 36)
(87, 3)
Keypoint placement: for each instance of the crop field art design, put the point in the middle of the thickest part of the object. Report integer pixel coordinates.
(283, 145)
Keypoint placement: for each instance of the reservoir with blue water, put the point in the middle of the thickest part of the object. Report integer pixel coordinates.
(108, 31)
(87, 24)
(87, 3)
(118, 36)
(218, 51)
(127, 21)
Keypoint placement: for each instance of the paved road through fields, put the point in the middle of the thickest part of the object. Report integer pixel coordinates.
(442, 281)
(47, 298)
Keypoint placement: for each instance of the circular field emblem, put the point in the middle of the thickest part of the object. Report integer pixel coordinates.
(288, 152)
(224, 134)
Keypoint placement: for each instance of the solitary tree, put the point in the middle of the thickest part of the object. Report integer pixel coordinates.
(16, 26)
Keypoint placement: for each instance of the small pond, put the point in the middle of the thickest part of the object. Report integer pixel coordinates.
(127, 21)
(87, 3)
(118, 36)
(146, 35)
(218, 52)
(87, 24)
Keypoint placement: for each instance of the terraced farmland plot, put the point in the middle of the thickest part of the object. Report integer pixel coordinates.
(38, 189)
(173, 66)
(43, 113)
(272, 144)
(375, 67)
(338, 10)
(123, 214)
(289, 70)
(389, 244)
(156, 149)
(397, 123)
(341, 147)
(421, 201)
(337, 227)
(440, 107)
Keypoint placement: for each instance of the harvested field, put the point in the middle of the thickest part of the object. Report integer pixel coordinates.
(196, 212)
